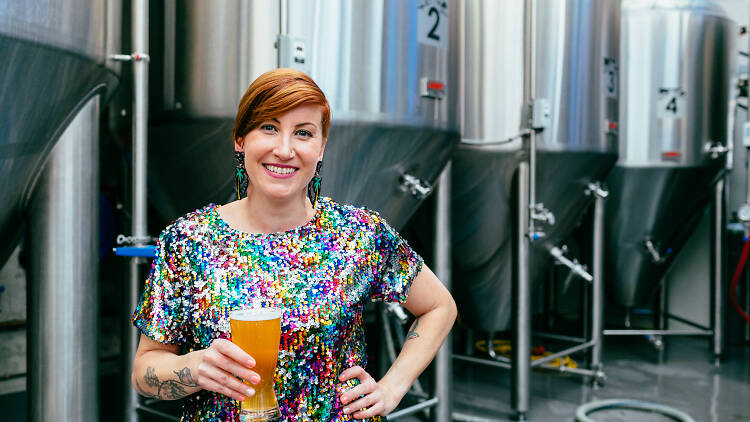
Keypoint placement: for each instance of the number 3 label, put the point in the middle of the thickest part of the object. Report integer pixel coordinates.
(432, 22)
(671, 103)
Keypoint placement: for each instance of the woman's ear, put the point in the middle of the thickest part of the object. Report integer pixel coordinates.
(238, 145)
(322, 149)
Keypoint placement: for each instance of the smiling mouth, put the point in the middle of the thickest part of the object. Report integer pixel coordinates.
(279, 170)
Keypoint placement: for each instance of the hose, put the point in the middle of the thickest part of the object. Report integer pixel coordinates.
(595, 406)
(736, 279)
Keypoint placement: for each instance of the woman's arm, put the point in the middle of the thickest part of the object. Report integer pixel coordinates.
(160, 372)
(435, 310)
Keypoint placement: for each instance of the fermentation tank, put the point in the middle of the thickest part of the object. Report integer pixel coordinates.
(383, 75)
(676, 61)
(574, 72)
(53, 63)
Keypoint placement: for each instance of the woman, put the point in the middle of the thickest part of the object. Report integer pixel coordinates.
(282, 246)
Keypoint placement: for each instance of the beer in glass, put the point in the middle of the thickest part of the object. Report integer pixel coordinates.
(257, 331)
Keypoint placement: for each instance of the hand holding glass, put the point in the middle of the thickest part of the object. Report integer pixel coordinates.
(257, 332)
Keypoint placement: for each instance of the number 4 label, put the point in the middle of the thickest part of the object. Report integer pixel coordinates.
(432, 22)
(671, 103)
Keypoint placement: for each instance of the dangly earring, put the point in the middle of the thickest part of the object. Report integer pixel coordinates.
(240, 174)
(313, 188)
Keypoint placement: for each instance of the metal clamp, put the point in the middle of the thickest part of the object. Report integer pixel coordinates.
(596, 189)
(716, 149)
(135, 57)
(418, 188)
(134, 240)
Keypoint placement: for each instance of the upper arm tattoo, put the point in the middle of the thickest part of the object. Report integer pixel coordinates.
(170, 389)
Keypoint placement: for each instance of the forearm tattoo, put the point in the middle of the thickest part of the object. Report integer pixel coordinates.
(171, 389)
(413, 330)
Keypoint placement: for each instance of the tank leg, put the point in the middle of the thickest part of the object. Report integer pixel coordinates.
(597, 288)
(521, 303)
(63, 238)
(718, 269)
(443, 360)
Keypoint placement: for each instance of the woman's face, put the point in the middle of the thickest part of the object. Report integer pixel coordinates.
(281, 154)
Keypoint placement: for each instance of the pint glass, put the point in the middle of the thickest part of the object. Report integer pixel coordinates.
(257, 332)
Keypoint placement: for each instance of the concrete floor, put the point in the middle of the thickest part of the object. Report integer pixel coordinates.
(685, 379)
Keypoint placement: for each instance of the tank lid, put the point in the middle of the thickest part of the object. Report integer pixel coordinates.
(706, 7)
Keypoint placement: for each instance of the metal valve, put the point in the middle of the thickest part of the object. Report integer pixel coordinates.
(418, 188)
(596, 188)
(398, 311)
(539, 213)
(716, 149)
(653, 250)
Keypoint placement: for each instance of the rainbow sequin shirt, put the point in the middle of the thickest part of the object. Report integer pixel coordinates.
(322, 274)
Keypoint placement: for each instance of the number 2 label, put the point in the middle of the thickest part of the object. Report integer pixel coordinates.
(432, 22)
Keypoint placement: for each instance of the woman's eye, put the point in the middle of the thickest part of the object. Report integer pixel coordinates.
(268, 127)
(305, 133)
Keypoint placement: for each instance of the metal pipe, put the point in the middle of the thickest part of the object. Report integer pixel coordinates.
(562, 353)
(718, 268)
(416, 408)
(481, 361)
(558, 337)
(63, 378)
(521, 302)
(687, 321)
(443, 361)
(157, 413)
(283, 12)
(657, 332)
(597, 285)
(528, 93)
(139, 12)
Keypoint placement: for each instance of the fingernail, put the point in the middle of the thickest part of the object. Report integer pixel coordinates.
(250, 392)
(250, 363)
(346, 410)
(242, 398)
(343, 399)
(255, 379)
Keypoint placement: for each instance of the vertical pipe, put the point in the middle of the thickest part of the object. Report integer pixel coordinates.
(63, 293)
(718, 268)
(443, 362)
(521, 302)
(529, 93)
(597, 285)
(139, 205)
(663, 301)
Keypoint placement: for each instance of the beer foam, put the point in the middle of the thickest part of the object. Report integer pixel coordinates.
(256, 314)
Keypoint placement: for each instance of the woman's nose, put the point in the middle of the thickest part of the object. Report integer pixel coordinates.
(284, 149)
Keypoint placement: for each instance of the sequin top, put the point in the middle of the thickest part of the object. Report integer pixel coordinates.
(321, 274)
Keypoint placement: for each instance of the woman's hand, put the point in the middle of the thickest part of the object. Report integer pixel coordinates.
(379, 399)
(220, 364)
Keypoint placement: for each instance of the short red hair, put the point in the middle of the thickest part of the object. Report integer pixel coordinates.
(275, 93)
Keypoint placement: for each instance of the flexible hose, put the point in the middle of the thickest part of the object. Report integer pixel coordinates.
(736, 279)
(594, 406)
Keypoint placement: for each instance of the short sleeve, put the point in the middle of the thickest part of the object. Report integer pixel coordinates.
(163, 311)
(397, 264)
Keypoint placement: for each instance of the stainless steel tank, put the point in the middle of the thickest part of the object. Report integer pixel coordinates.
(575, 70)
(53, 63)
(53, 81)
(373, 60)
(676, 61)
